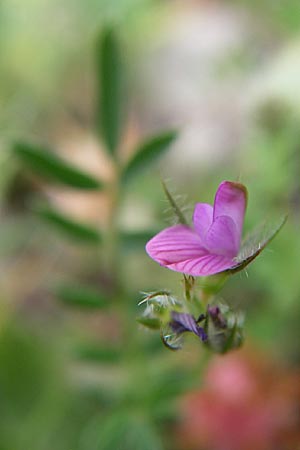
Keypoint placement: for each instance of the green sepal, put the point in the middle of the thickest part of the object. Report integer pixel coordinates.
(255, 243)
(178, 213)
(149, 322)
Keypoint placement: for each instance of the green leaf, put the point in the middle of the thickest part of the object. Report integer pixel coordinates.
(69, 227)
(256, 241)
(81, 296)
(46, 164)
(147, 153)
(174, 205)
(110, 83)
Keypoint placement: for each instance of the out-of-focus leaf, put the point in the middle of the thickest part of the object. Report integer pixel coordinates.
(46, 164)
(178, 213)
(96, 353)
(71, 228)
(21, 358)
(172, 384)
(81, 296)
(121, 431)
(109, 71)
(256, 241)
(147, 153)
(136, 239)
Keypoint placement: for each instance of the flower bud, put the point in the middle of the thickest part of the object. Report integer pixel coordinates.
(224, 328)
(158, 307)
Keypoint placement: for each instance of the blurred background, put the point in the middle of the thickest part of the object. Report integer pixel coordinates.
(76, 369)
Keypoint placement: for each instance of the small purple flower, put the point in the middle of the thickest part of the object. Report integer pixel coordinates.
(213, 243)
(182, 322)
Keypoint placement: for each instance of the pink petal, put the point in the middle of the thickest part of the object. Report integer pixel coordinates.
(231, 200)
(203, 266)
(222, 237)
(174, 244)
(202, 218)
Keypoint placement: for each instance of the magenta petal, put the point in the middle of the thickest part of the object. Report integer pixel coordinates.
(174, 244)
(231, 200)
(222, 237)
(204, 265)
(202, 218)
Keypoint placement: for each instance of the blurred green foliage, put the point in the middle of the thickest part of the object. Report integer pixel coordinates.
(285, 15)
(110, 73)
(46, 164)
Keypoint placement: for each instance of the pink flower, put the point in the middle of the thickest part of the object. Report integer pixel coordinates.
(213, 243)
(245, 402)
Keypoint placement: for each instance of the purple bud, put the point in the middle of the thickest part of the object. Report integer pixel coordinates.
(216, 316)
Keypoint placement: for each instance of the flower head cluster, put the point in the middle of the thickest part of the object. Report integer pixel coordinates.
(210, 246)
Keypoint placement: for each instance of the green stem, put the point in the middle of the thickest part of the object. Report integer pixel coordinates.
(111, 252)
